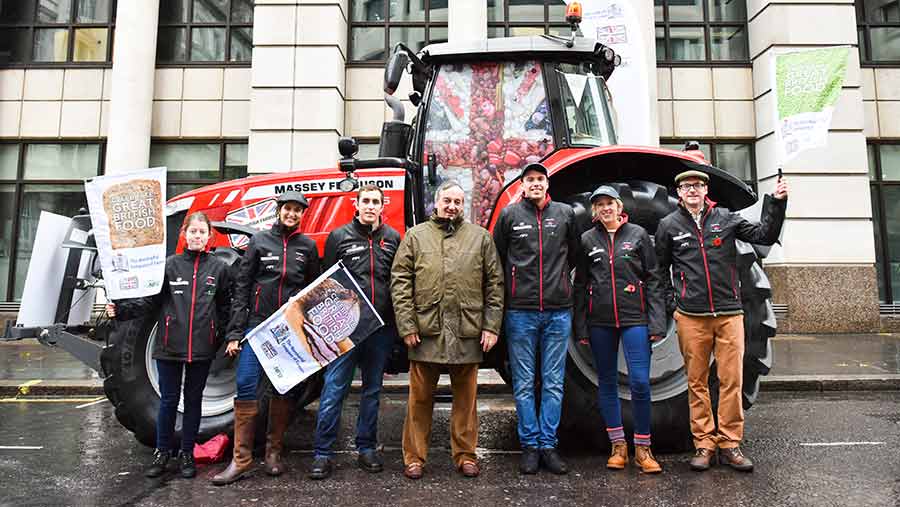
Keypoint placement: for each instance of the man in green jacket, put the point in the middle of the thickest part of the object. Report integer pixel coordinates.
(447, 289)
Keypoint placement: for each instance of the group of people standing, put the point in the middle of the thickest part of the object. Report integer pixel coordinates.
(446, 289)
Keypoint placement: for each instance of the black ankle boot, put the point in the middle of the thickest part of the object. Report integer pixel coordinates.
(158, 467)
(188, 467)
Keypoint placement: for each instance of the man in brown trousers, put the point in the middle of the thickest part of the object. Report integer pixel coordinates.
(698, 241)
(447, 290)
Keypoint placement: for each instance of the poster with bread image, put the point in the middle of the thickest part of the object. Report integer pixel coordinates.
(128, 218)
(315, 327)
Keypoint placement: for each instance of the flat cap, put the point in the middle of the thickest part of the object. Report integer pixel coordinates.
(692, 174)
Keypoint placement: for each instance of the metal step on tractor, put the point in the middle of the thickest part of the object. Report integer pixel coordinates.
(482, 111)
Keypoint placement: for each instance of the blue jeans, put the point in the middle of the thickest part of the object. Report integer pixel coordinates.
(372, 356)
(636, 346)
(170, 391)
(527, 333)
(248, 373)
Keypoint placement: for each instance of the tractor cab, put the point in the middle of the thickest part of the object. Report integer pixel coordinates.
(485, 109)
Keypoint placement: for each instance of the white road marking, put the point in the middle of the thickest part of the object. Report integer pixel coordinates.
(88, 404)
(838, 444)
(21, 447)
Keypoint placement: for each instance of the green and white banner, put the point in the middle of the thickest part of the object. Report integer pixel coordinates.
(807, 86)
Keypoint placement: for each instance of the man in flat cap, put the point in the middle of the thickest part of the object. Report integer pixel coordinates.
(697, 241)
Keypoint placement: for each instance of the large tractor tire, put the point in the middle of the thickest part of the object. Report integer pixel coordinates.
(132, 385)
(646, 204)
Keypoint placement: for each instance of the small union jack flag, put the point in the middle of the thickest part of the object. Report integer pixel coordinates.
(260, 216)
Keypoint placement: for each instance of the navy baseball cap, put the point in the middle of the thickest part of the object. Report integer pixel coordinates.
(606, 190)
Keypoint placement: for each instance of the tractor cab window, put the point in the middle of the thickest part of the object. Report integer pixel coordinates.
(586, 109)
(484, 123)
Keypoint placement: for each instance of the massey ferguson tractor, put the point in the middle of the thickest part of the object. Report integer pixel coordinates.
(483, 110)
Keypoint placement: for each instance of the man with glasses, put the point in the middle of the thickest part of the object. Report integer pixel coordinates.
(698, 242)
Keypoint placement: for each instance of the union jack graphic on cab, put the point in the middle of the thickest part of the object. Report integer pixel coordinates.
(260, 216)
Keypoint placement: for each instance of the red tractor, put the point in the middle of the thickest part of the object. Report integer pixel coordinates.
(483, 111)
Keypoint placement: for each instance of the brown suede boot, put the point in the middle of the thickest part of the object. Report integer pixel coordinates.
(644, 459)
(280, 410)
(244, 423)
(618, 457)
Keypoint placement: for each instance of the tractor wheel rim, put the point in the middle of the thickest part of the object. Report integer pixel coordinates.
(218, 396)
(667, 375)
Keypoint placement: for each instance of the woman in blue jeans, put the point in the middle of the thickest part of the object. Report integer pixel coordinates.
(277, 264)
(618, 298)
(192, 304)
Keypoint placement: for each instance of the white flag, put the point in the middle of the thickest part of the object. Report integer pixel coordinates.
(130, 230)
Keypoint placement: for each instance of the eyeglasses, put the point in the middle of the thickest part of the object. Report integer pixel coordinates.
(691, 186)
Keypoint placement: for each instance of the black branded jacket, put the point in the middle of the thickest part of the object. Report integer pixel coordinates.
(538, 248)
(704, 275)
(278, 264)
(368, 254)
(192, 307)
(616, 281)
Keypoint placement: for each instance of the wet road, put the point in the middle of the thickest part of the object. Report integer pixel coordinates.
(811, 449)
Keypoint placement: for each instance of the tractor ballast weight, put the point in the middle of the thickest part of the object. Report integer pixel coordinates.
(484, 109)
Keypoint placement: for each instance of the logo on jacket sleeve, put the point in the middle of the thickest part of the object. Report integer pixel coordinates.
(681, 236)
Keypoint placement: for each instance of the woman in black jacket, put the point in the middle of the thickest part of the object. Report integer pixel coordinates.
(191, 306)
(617, 298)
(278, 263)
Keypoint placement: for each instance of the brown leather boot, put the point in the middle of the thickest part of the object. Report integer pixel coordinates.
(280, 410)
(734, 458)
(644, 459)
(618, 457)
(242, 462)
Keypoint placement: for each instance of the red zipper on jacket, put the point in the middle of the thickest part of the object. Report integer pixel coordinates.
(612, 271)
(166, 337)
(591, 298)
(258, 289)
(683, 285)
(284, 241)
(514, 281)
(191, 317)
(712, 307)
(540, 260)
(641, 289)
(372, 267)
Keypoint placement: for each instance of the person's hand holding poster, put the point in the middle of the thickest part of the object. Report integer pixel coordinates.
(315, 327)
(130, 230)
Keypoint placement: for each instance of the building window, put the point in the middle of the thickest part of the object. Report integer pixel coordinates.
(54, 32)
(513, 18)
(884, 174)
(879, 31)
(735, 158)
(708, 31)
(196, 164)
(204, 31)
(36, 177)
(376, 26)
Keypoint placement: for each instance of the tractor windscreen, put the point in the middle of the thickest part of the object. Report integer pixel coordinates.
(587, 112)
(486, 121)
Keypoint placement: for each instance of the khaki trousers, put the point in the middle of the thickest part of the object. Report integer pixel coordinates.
(423, 379)
(723, 336)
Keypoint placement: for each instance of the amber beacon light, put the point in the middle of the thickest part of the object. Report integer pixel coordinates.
(573, 13)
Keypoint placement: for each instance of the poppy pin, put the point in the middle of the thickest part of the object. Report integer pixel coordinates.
(717, 241)
(630, 288)
(381, 243)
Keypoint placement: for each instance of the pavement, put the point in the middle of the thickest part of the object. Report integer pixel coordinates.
(840, 362)
(811, 449)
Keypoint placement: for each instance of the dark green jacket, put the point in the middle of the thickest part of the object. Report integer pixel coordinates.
(447, 286)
